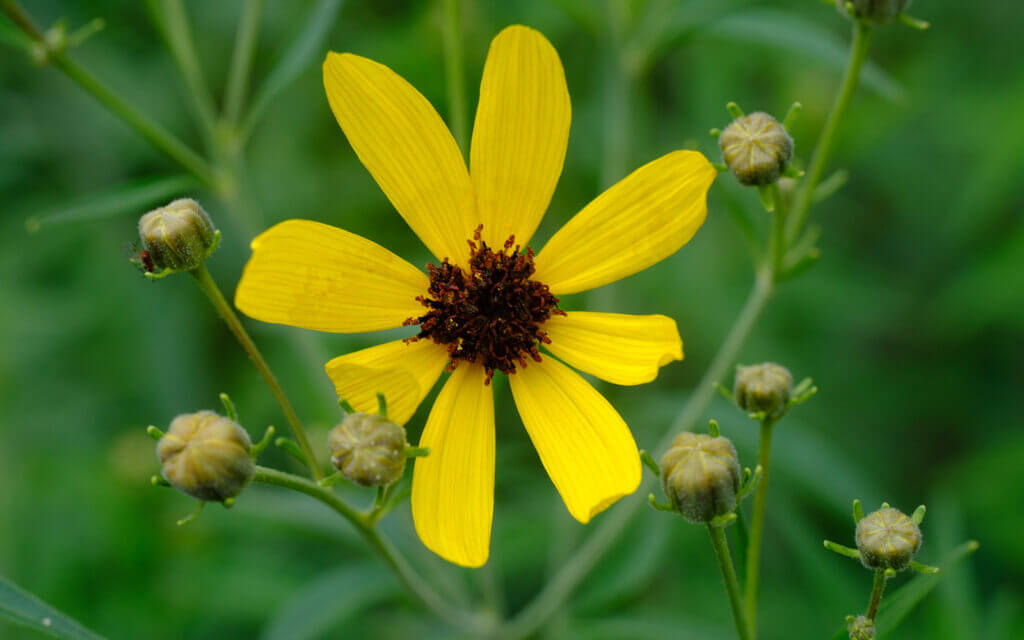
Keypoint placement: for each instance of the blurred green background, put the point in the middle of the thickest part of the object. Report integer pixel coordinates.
(911, 325)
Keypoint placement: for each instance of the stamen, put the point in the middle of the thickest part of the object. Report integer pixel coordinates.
(490, 316)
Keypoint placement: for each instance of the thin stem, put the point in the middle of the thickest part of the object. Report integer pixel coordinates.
(241, 60)
(554, 594)
(876, 594)
(426, 594)
(778, 235)
(732, 587)
(453, 72)
(209, 287)
(819, 160)
(22, 19)
(155, 134)
(617, 90)
(173, 20)
(757, 523)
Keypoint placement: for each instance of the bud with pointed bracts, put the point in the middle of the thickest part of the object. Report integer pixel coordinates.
(207, 456)
(701, 476)
(368, 449)
(765, 387)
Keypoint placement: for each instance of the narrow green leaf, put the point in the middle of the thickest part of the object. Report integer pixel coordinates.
(329, 600)
(302, 52)
(10, 35)
(131, 197)
(21, 607)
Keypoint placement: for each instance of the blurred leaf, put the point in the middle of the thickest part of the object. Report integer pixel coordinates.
(301, 53)
(667, 24)
(132, 197)
(22, 607)
(328, 600)
(811, 42)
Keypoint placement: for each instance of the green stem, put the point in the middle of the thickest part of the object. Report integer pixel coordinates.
(21, 19)
(556, 591)
(151, 131)
(732, 587)
(209, 287)
(241, 60)
(876, 594)
(757, 524)
(778, 235)
(173, 21)
(426, 594)
(819, 160)
(454, 73)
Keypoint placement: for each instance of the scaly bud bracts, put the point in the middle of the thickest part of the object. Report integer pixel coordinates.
(206, 456)
(701, 476)
(756, 148)
(368, 449)
(179, 236)
(763, 387)
(887, 539)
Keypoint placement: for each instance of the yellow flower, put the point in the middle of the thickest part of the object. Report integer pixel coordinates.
(487, 305)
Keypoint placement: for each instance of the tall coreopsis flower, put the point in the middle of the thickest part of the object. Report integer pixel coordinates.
(490, 303)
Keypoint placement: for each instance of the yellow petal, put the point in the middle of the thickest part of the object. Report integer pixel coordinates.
(619, 348)
(520, 135)
(453, 487)
(584, 445)
(312, 275)
(403, 371)
(644, 218)
(408, 150)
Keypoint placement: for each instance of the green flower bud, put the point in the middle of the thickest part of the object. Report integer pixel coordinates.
(887, 539)
(701, 476)
(756, 148)
(206, 456)
(873, 11)
(860, 628)
(763, 387)
(368, 449)
(179, 236)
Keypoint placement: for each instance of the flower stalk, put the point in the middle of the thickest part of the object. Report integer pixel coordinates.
(453, 71)
(819, 160)
(732, 587)
(877, 589)
(753, 568)
(212, 291)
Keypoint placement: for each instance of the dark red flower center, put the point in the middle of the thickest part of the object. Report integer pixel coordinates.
(490, 316)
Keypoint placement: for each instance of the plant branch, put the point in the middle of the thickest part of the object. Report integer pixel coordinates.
(152, 132)
(412, 580)
(819, 159)
(757, 524)
(732, 587)
(209, 287)
(241, 60)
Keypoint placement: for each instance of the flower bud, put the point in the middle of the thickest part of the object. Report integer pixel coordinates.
(873, 11)
(206, 456)
(701, 476)
(860, 628)
(179, 236)
(887, 539)
(368, 449)
(763, 387)
(756, 148)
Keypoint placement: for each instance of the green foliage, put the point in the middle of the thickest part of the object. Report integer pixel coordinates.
(23, 608)
(910, 323)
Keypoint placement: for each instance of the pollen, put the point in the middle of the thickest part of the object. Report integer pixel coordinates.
(490, 316)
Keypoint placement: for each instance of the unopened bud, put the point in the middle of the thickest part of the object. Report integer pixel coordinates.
(206, 456)
(756, 148)
(872, 11)
(887, 539)
(860, 628)
(763, 388)
(701, 476)
(368, 449)
(179, 236)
